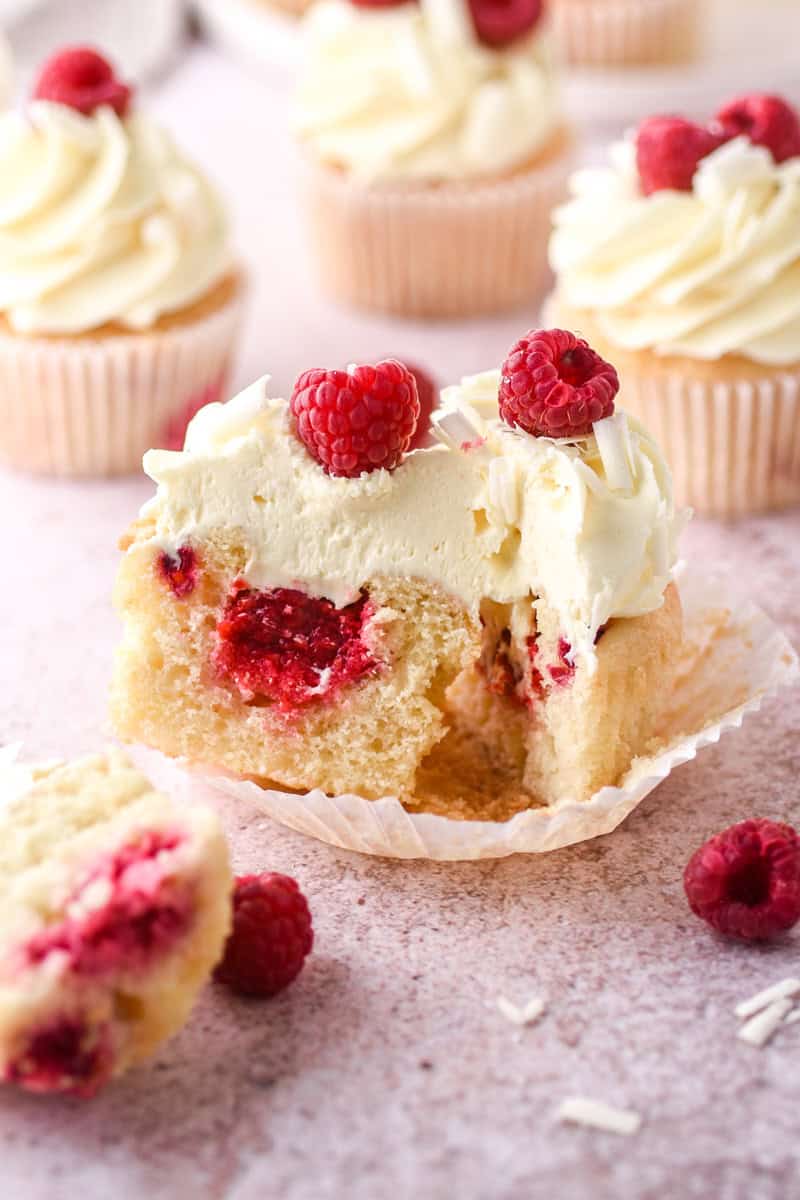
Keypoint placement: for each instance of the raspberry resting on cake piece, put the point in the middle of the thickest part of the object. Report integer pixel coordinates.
(116, 905)
(358, 420)
(554, 385)
(80, 78)
(746, 881)
(271, 937)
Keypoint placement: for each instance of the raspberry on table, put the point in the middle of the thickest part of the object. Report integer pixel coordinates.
(80, 78)
(358, 420)
(272, 935)
(499, 22)
(554, 385)
(746, 881)
(766, 120)
(669, 151)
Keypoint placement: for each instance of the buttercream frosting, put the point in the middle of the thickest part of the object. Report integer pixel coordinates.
(704, 273)
(503, 515)
(101, 220)
(408, 92)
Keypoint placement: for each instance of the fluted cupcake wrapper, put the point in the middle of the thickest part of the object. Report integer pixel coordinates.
(92, 406)
(734, 447)
(611, 33)
(425, 250)
(732, 660)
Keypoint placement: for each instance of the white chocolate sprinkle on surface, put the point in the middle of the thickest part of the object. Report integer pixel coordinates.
(784, 987)
(579, 1110)
(760, 1028)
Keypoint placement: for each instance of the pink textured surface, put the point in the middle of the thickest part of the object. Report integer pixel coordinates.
(386, 1070)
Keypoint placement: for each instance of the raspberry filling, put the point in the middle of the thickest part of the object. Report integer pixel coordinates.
(179, 570)
(561, 672)
(291, 649)
(144, 915)
(505, 677)
(65, 1056)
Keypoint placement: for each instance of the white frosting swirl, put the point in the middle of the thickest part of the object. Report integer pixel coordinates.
(704, 273)
(508, 518)
(409, 92)
(101, 220)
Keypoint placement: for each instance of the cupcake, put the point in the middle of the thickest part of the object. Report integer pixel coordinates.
(616, 33)
(681, 261)
(119, 297)
(434, 149)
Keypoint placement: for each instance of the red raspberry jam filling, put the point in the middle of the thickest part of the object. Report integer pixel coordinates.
(179, 570)
(503, 676)
(145, 914)
(289, 648)
(64, 1056)
(560, 673)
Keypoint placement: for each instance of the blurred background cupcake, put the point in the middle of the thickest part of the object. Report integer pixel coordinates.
(119, 297)
(681, 261)
(433, 149)
(613, 33)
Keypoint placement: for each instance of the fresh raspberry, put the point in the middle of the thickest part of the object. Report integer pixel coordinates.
(179, 570)
(554, 385)
(358, 420)
(272, 935)
(428, 395)
(746, 881)
(766, 120)
(669, 150)
(499, 22)
(82, 79)
(291, 648)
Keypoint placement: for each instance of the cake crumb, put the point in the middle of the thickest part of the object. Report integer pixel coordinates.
(760, 1028)
(777, 991)
(579, 1110)
(524, 1015)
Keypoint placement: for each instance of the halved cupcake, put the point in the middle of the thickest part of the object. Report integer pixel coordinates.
(433, 149)
(681, 261)
(119, 295)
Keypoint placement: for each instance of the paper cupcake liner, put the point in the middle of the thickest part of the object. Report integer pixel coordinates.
(734, 447)
(605, 33)
(733, 660)
(424, 250)
(93, 406)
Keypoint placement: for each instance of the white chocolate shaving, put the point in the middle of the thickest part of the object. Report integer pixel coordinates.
(613, 442)
(777, 991)
(760, 1028)
(524, 1015)
(579, 1110)
(458, 428)
(793, 1016)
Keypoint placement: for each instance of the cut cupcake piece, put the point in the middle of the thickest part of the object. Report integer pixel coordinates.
(116, 906)
(500, 596)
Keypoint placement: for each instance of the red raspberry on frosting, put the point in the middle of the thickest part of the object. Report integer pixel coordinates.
(271, 938)
(357, 420)
(766, 120)
(669, 151)
(746, 881)
(499, 22)
(82, 79)
(554, 385)
(428, 394)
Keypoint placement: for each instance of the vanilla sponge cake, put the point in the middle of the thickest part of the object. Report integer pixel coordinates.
(496, 593)
(116, 906)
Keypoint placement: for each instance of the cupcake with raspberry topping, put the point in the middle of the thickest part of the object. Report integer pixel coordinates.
(681, 261)
(433, 150)
(119, 296)
(628, 33)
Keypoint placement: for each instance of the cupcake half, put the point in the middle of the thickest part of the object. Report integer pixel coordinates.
(119, 296)
(681, 260)
(433, 150)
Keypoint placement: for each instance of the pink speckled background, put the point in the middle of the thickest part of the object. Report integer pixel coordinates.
(386, 1071)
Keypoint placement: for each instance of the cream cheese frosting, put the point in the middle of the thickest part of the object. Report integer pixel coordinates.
(101, 220)
(704, 273)
(505, 516)
(408, 92)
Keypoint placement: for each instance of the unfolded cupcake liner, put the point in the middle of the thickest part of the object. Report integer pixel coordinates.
(451, 249)
(613, 33)
(734, 447)
(92, 406)
(734, 657)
